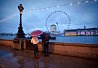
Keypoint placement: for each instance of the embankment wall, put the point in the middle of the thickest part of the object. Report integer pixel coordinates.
(70, 49)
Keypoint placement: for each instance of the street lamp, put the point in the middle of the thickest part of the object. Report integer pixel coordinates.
(20, 33)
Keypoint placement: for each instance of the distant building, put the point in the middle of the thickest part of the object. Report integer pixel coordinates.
(54, 31)
(53, 28)
(76, 32)
(70, 32)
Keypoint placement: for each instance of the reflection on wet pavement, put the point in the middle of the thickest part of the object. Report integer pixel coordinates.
(10, 58)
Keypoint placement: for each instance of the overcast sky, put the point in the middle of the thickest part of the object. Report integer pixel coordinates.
(83, 14)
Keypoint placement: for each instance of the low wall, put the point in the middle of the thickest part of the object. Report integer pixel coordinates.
(10, 43)
(70, 49)
(79, 50)
(6, 42)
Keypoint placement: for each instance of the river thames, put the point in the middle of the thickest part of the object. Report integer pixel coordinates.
(67, 39)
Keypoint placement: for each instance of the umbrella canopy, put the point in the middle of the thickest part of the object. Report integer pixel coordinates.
(36, 33)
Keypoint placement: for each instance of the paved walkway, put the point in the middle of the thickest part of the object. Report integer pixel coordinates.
(10, 58)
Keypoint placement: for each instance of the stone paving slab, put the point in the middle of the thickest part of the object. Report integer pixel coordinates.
(25, 59)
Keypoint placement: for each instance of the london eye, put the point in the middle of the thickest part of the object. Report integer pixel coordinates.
(57, 18)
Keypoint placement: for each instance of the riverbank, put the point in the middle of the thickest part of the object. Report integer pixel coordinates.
(71, 49)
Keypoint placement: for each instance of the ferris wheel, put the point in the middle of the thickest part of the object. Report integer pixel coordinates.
(58, 18)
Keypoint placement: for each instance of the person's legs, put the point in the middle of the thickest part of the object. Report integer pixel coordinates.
(44, 50)
(47, 49)
(35, 50)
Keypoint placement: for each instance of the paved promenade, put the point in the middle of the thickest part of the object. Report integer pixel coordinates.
(11, 58)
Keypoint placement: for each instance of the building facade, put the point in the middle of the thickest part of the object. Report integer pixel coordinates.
(53, 28)
(78, 32)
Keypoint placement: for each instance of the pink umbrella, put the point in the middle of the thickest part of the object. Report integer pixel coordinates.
(36, 33)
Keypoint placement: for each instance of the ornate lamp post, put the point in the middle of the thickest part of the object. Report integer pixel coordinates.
(20, 33)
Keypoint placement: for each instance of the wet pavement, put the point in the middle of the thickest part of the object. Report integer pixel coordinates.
(12, 58)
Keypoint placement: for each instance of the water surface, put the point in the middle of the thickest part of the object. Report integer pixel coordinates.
(68, 39)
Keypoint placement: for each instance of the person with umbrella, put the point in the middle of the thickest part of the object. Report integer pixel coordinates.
(35, 41)
(45, 43)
